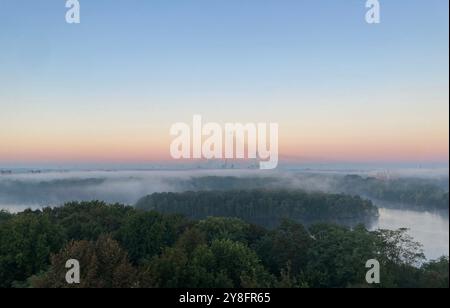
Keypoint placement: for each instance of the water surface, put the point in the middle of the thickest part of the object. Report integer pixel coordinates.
(430, 229)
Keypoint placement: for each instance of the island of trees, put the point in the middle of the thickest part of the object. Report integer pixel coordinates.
(265, 207)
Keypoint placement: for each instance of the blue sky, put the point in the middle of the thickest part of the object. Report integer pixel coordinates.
(257, 42)
(233, 60)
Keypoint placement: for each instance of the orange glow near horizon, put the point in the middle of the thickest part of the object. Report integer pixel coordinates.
(134, 137)
(139, 148)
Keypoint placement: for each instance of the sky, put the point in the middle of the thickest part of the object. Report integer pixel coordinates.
(109, 89)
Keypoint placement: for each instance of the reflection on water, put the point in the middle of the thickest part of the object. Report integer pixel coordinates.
(432, 230)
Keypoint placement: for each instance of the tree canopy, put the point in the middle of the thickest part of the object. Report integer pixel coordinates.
(265, 207)
(127, 247)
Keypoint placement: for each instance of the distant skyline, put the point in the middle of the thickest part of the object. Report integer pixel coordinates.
(108, 90)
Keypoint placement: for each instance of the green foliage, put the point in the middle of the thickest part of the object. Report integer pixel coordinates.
(223, 263)
(287, 246)
(233, 260)
(400, 248)
(145, 234)
(105, 265)
(26, 242)
(420, 194)
(217, 228)
(412, 193)
(435, 274)
(338, 255)
(89, 220)
(126, 247)
(265, 208)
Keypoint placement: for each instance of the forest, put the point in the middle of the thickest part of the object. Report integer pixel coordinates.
(55, 189)
(408, 193)
(265, 207)
(123, 247)
(418, 194)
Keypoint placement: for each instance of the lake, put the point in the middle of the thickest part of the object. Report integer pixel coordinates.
(432, 230)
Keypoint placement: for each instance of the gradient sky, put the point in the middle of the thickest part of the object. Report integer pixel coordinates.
(109, 89)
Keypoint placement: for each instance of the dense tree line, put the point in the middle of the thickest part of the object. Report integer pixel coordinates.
(411, 193)
(120, 246)
(265, 207)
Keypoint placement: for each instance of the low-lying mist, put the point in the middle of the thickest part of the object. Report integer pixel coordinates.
(19, 191)
(56, 188)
